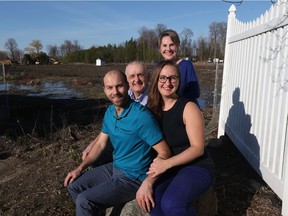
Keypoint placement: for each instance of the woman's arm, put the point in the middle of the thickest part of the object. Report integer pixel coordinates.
(144, 194)
(194, 124)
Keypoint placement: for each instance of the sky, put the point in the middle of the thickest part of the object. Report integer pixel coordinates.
(99, 23)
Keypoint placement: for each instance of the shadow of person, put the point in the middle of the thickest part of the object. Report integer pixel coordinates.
(236, 113)
(238, 176)
(238, 126)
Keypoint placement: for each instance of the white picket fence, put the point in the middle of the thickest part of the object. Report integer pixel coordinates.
(254, 97)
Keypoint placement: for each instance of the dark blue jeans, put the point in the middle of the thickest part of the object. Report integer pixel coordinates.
(176, 189)
(102, 187)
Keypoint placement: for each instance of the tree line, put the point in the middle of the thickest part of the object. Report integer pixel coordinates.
(142, 48)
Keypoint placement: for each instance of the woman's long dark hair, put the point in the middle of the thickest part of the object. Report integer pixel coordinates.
(155, 102)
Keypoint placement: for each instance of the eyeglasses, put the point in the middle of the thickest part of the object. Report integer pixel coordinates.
(172, 79)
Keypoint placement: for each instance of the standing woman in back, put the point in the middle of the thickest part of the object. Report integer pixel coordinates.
(189, 172)
(168, 45)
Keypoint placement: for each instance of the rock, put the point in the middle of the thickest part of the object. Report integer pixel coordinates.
(130, 209)
(206, 206)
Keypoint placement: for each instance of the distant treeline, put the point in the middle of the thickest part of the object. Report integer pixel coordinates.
(143, 48)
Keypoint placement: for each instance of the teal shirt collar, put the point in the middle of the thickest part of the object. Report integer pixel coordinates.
(125, 111)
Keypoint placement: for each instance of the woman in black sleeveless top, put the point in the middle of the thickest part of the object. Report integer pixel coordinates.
(189, 172)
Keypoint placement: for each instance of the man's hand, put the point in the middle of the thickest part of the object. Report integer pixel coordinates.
(88, 148)
(144, 196)
(71, 176)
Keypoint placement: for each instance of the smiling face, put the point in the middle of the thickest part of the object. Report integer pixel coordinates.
(116, 88)
(137, 77)
(168, 49)
(168, 81)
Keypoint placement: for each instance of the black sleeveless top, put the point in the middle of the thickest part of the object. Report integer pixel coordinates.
(175, 133)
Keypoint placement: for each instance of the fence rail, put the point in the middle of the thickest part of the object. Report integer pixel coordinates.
(254, 97)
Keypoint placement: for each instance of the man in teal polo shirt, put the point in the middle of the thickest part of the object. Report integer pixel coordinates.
(137, 76)
(133, 131)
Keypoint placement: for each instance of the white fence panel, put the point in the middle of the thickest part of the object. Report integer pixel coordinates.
(254, 97)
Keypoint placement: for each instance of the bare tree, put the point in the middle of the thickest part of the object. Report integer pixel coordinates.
(66, 48)
(69, 47)
(213, 31)
(37, 45)
(160, 28)
(53, 51)
(186, 42)
(217, 36)
(11, 45)
(148, 35)
(202, 45)
(19, 55)
(77, 46)
(147, 41)
(34, 48)
(222, 29)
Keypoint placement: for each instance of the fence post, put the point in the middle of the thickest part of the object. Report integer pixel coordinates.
(4, 110)
(3, 69)
(215, 89)
(231, 20)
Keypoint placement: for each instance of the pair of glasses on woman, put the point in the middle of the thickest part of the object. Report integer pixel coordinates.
(172, 79)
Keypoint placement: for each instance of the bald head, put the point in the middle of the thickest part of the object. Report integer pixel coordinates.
(116, 87)
(115, 74)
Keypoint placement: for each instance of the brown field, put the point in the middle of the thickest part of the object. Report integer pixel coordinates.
(43, 138)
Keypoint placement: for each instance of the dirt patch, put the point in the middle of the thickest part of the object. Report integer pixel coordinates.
(43, 139)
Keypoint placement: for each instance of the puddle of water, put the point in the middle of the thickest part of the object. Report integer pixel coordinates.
(52, 90)
(55, 90)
